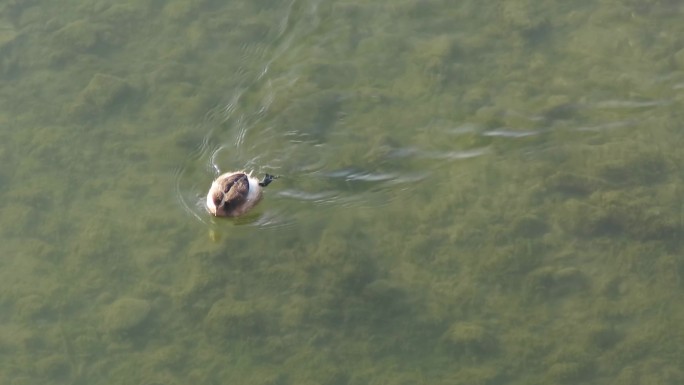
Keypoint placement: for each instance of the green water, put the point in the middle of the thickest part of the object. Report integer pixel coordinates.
(470, 192)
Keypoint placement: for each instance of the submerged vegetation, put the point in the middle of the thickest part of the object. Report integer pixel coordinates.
(471, 193)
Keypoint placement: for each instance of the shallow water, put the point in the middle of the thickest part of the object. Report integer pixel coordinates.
(470, 193)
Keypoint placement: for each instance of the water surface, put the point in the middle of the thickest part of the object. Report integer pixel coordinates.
(470, 192)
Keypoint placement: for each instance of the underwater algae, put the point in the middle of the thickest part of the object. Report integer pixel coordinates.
(125, 314)
(552, 256)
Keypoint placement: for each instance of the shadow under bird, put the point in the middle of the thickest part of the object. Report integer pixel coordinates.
(235, 193)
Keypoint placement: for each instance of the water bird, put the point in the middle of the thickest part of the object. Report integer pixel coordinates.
(235, 193)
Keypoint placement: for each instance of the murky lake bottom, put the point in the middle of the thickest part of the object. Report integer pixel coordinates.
(470, 193)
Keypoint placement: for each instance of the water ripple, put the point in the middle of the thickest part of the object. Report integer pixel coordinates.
(357, 175)
(628, 104)
(502, 132)
(318, 197)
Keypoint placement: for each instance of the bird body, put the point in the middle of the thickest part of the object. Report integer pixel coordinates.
(234, 193)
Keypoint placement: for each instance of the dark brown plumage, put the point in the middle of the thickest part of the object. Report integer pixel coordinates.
(234, 193)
